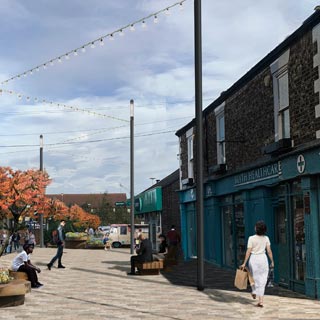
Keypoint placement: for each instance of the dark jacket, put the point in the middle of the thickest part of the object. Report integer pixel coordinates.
(145, 250)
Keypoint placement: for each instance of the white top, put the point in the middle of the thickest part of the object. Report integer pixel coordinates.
(258, 244)
(19, 260)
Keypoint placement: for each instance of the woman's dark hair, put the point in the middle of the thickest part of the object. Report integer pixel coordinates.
(261, 228)
(162, 236)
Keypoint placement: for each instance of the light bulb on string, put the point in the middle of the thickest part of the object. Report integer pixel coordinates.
(35, 99)
(181, 6)
(59, 59)
(144, 25)
(101, 42)
(168, 12)
(44, 66)
(51, 63)
(38, 69)
(111, 37)
(75, 53)
(67, 57)
(28, 99)
(121, 33)
(83, 49)
(25, 74)
(155, 19)
(92, 46)
(19, 96)
(132, 28)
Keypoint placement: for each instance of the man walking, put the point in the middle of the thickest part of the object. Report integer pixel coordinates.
(60, 244)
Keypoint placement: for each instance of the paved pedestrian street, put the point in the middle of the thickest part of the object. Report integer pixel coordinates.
(95, 285)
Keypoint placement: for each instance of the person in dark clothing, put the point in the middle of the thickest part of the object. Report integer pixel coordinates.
(174, 241)
(60, 245)
(144, 253)
(22, 263)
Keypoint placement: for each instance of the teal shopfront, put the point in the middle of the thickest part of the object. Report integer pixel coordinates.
(285, 194)
(148, 208)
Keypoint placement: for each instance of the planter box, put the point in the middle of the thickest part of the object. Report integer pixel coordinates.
(77, 243)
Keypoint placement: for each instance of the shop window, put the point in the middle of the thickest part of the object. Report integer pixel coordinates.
(240, 236)
(299, 237)
(190, 138)
(228, 249)
(279, 70)
(220, 127)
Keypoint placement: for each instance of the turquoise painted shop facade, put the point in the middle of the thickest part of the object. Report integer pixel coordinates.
(148, 206)
(285, 193)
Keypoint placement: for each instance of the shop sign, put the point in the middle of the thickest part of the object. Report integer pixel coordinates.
(301, 163)
(260, 174)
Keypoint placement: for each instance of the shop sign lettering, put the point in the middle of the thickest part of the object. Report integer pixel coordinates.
(259, 174)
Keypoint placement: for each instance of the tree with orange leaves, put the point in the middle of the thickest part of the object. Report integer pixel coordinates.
(81, 218)
(22, 193)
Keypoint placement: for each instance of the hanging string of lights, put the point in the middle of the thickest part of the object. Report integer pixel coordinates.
(59, 105)
(92, 44)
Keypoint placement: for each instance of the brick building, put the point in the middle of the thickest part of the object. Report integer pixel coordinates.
(261, 161)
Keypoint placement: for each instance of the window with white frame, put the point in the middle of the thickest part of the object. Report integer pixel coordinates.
(221, 143)
(189, 136)
(280, 77)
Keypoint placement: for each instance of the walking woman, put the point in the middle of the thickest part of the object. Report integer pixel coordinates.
(258, 263)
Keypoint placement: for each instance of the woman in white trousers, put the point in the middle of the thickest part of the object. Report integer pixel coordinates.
(257, 247)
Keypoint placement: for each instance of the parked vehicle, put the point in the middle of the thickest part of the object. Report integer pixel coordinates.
(120, 234)
(104, 229)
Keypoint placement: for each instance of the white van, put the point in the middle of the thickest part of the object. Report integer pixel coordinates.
(120, 234)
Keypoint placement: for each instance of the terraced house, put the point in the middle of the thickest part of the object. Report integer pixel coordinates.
(262, 161)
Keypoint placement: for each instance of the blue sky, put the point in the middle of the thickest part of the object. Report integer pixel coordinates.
(89, 153)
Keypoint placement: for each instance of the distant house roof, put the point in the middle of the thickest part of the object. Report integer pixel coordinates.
(307, 25)
(94, 199)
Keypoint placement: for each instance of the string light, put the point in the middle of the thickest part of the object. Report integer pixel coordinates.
(92, 46)
(130, 26)
(101, 42)
(73, 108)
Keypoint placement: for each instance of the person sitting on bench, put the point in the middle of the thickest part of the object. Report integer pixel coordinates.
(144, 253)
(22, 263)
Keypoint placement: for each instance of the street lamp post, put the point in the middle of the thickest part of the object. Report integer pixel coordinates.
(199, 146)
(132, 173)
(41, 213)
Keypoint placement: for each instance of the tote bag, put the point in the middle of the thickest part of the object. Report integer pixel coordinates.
(241, 279)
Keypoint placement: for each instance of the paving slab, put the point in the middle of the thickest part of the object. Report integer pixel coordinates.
(95, 285)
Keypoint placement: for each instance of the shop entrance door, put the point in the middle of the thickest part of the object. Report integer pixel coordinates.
(192, 232)
(282, 244)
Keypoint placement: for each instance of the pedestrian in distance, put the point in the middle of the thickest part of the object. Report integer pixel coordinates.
(144, 253)
(257, 247)
(59, 239)
(22, 263)
(16, 240)
(174, 240)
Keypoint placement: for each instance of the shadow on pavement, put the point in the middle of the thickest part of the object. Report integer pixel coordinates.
(185, 274)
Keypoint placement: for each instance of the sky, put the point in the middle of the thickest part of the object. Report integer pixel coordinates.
(86, 128)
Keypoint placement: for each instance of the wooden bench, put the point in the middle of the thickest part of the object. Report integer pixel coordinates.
(13, 293)
(150, 268)
(18, 275)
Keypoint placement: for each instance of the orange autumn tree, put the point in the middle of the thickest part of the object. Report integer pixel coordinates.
(81, 218)
(22, 193)
(55, 209)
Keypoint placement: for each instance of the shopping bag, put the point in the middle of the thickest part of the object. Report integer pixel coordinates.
(241, 279)
(270, 278)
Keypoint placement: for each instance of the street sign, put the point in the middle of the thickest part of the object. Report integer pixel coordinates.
(120, 204)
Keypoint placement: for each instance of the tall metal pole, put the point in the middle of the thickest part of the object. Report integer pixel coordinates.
(41, 213)
(199, 139)
(132, 174)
